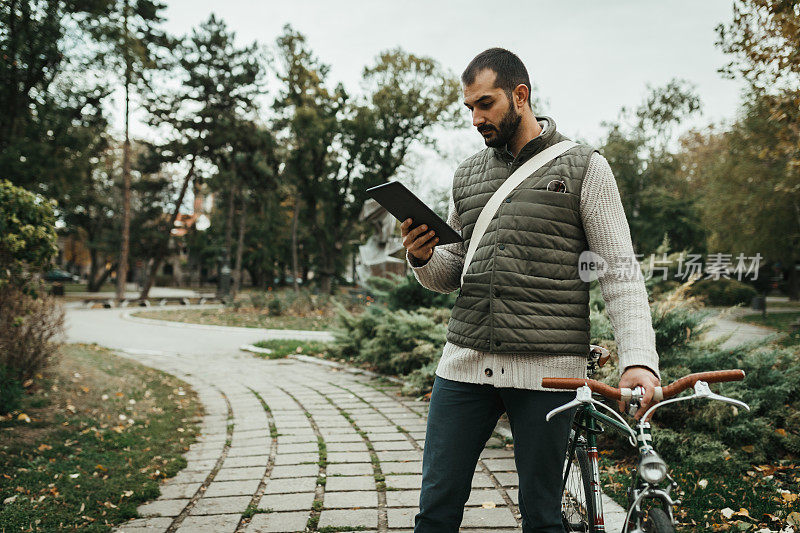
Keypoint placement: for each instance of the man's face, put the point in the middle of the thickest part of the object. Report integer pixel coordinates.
(492, 112)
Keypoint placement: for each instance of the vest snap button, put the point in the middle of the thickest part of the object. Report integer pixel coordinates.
(497, 343)
(488, 372)
(508, 200)
(502, 246)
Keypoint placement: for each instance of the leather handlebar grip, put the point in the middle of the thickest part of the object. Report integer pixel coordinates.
(608, 391)
(716, 376)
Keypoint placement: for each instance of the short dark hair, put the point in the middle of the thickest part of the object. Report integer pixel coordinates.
(509, 69)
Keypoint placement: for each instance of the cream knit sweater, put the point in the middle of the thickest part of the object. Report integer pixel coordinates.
(608, 235)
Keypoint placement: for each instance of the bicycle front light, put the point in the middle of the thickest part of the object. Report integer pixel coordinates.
(652, 468)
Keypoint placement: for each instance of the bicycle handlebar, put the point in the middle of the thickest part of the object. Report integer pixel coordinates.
(612, 393)
(716, 376)
(661, 393)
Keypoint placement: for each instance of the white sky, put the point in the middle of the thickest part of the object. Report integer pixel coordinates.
(587, 57)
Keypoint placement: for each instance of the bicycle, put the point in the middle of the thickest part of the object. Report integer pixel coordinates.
(650, 505)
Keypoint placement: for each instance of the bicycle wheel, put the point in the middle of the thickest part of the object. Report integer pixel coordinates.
(577, 504)
(658, 521)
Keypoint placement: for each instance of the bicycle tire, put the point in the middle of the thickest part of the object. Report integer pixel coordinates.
(657, 521)
(577, 503)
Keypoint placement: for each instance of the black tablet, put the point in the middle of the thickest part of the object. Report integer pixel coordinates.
(402, 203)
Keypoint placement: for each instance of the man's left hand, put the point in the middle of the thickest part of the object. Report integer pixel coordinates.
(636, 376)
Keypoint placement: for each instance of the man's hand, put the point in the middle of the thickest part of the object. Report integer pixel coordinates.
(418, 244)
(635, 376)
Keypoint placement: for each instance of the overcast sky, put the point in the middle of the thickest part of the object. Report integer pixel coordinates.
(588, 58)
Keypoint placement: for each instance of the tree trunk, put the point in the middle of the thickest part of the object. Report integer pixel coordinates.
(322, 271)
(96, 283)
(225, 271)
(122, 270)
(295, 217)
(237, 276)
(164, 250)
(94, 270)
(792, 286)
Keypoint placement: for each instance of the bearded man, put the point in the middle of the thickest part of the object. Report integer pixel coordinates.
(522, 311)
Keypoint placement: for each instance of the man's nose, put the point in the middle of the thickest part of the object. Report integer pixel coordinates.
(477, 119)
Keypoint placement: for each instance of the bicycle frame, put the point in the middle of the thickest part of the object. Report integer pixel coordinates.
(587, 414)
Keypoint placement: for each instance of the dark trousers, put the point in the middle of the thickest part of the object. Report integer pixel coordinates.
(461, 418)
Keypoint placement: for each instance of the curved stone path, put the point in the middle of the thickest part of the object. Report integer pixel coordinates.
(291, 446)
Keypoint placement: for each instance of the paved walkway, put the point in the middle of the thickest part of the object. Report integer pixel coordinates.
(740, 331)
(287, 443)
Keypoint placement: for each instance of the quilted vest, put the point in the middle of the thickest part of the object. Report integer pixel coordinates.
(522, 293)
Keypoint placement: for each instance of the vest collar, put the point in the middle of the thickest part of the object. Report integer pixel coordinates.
(534, 146)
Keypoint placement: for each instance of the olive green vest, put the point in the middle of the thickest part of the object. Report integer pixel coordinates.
(522, 293)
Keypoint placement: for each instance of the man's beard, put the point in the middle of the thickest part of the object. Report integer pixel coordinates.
(505, 131)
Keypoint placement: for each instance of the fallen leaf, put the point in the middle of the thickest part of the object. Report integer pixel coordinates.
(488, 505)
(727, 513)
(74, 476)
(703, 483)
(44, 447)
(793, 519)
(10, 500)
(27, 383)
(788, 496)
(781, 432)
(749, 448)
(24, 418)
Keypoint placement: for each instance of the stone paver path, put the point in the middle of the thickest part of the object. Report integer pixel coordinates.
(286, 444)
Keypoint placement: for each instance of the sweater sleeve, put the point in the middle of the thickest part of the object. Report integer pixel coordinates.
(622, 285)
(442, 272)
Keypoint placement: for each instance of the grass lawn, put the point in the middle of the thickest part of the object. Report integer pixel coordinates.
(779, 322)
(248, 318)
(103, 432)
(281, 348)
(788, 304)
(83, 287)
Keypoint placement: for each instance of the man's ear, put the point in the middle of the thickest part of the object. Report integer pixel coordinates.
(521, 95)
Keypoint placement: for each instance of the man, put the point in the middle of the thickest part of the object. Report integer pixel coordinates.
(522, 312)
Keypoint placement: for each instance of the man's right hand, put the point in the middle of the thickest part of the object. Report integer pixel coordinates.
(418, 242)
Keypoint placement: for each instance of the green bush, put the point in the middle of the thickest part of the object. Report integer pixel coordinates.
(723, 291)
(259, 299)
(27, 233)
(405, 292)
(29, 323)
(392, 342)
(275, 306)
